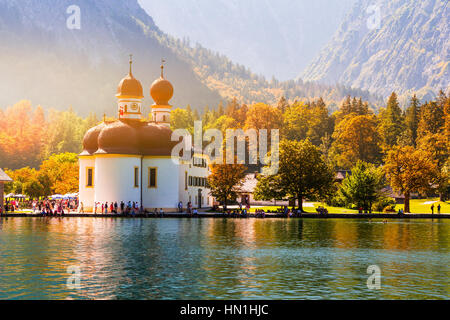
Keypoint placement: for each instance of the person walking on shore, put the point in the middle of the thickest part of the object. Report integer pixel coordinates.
(439, 208)
(432, 208)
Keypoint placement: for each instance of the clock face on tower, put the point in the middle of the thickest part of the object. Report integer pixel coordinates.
(134, 107)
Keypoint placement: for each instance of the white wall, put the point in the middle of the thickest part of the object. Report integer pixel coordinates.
(165, 195)
(86, 195)
(114, 179)
(192, 191)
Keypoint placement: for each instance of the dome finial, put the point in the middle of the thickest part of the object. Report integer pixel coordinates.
(131, 62)
(162, 68)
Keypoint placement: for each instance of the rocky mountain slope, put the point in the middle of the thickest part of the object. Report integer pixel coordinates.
(45, 61)
(408, 51)
(272, 38)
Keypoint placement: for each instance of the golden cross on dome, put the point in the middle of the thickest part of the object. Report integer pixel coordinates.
(131, 62)
(162, 68)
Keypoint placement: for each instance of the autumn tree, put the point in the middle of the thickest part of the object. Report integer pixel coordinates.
(263, 116)
(432, 119)
(223, 123)
(283, 104)
(302, 173)
(391, 124)
(439, 148)
(408, 170)
(356, 138)
(62, 171)
(303, 121)
(225, 181)
(21, 136)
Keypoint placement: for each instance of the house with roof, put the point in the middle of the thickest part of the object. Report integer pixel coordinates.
(4, 178)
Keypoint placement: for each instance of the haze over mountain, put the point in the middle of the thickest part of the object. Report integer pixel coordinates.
(272, 38)
(409, 52)
(46, 62)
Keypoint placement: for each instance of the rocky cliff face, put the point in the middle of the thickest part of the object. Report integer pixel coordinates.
(408, 51)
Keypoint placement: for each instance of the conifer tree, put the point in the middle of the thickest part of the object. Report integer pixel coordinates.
(412, 119)
(391, 122)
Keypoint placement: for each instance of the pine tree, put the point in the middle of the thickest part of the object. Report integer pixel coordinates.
(391, 122)
(283, 104)
(412, 119)
(431, 119)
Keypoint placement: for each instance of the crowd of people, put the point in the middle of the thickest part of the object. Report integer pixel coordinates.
(45, 207)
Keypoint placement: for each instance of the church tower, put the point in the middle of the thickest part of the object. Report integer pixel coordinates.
(130, 95)
(161, 92)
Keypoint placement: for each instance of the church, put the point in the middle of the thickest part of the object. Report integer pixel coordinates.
(129, 159)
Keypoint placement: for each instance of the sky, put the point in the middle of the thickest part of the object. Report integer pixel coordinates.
(272, 37)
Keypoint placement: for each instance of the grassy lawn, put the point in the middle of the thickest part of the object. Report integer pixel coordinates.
(424, 206)
(310, 207)
(417, 206)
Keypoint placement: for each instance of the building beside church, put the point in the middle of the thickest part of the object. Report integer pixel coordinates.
(129, 159)
(4, 178)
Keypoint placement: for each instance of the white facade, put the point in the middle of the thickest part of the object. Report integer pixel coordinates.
(114, 181)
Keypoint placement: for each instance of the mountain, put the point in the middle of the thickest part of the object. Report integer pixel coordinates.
(44, 61)
(409, 51)
(272, 38)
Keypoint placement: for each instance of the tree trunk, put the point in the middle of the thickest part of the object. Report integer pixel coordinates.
(300, 203)
(407, 210)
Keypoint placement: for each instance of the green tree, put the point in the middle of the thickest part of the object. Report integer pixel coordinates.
(363, 187)
(181, 119)
(268, 188)
(412, 115)
(391, 123)
(302, 173)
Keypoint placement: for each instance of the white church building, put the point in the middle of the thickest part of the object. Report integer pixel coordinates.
(129, 159)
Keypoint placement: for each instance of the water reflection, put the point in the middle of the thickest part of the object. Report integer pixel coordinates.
(222, 258)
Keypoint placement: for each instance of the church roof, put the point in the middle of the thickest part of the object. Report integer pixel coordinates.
(4, 177)
(130, 86)
(131, 137)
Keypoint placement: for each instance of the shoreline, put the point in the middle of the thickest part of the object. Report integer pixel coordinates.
(393, 216)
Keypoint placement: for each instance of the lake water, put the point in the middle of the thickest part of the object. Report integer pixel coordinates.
(222, 258)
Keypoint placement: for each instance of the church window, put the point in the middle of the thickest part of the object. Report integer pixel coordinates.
(89, 177)
(136, 177)
(152, 177)
(185, 180)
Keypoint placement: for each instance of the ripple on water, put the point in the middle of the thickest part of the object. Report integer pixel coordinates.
(222, 258)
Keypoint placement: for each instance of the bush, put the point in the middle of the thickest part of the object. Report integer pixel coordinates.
(385, 204)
